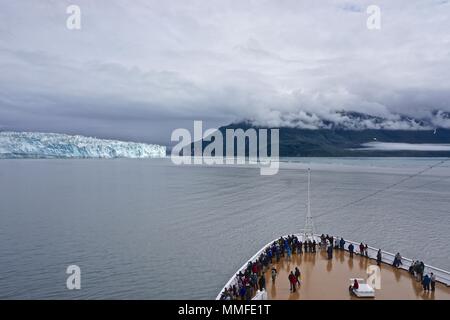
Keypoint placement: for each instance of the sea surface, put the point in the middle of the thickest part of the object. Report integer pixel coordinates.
(147, 229)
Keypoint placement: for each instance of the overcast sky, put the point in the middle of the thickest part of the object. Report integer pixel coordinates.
(137, 69)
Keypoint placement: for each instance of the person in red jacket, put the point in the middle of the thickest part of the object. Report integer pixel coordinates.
(355, 286)
(254, 267)
(292, 281)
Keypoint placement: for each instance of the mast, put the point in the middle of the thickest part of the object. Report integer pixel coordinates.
(308, 231)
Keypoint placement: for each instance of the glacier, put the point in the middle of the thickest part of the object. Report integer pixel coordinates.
(55, 145)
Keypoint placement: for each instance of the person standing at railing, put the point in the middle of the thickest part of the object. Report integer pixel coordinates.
(416, 269)
(254, 267)
(397, 260)
(288, 253)
(242, 292)
(361, 249)
(254, 281)
(433, 281)
(426, 283)
(420, 270)
(330, 251)
(351, 248)
(342, 244)
(249, 292)
(379, 257)
(412, 268)
(262, 283)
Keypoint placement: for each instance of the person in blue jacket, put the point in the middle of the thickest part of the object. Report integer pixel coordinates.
(242, 292)
(341, 244)
(426, 283)
(289, 253)
(351, 249)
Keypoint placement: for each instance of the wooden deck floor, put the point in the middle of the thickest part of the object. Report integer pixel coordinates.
(329, 279)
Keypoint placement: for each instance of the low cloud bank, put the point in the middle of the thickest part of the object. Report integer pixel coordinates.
(394, 146)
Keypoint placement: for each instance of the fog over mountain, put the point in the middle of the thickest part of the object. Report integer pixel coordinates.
(139, 69)
(357, 121)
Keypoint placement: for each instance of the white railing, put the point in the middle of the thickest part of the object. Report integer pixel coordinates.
(233, 279)
(442, 276)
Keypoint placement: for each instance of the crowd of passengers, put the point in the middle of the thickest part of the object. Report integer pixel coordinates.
(252, 280)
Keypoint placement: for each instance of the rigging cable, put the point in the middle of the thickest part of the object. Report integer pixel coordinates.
(382, 190)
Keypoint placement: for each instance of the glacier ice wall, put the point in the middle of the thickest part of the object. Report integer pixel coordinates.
(53, 145)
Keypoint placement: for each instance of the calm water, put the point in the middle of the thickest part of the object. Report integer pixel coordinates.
(145, 229)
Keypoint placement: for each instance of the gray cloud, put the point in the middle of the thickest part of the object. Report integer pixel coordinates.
(391, 146)
(139, 69)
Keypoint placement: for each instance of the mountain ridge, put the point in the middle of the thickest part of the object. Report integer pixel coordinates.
(342, 142)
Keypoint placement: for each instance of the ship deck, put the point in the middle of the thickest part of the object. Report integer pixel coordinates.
(329, 279)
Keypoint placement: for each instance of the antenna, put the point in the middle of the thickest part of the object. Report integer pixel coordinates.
(308, 231)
